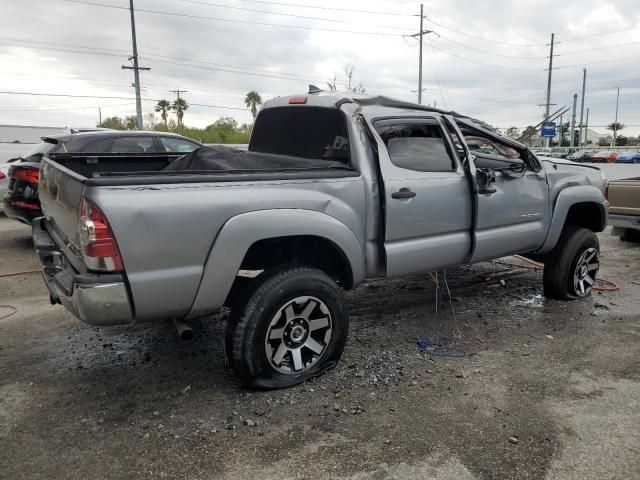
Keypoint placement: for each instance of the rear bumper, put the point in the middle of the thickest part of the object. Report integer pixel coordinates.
(624, 221)
(96, 299)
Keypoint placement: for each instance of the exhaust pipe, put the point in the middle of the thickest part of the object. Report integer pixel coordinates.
(185, 332)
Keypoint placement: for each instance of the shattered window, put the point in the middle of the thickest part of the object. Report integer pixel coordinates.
(490, 146)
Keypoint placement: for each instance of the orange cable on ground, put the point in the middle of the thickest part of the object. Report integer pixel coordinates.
(25, 272)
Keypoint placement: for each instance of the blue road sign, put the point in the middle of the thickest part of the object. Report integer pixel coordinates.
(548, 129)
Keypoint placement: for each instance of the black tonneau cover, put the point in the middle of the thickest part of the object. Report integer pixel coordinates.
(220, 158)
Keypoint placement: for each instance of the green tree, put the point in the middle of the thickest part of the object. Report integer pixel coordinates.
(512, 132)
(252, 100)
(179, 106)
(163, 107)
(615, 126)
(528, 134)
(130, 122)
(621, 141)
(114, 122)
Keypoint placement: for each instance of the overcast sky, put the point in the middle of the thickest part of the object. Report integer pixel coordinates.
(488, 61)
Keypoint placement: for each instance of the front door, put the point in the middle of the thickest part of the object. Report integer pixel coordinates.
(427, 196)
(515, 217)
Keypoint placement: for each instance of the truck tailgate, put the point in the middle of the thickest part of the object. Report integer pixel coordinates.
(624, 197)
(60, 191)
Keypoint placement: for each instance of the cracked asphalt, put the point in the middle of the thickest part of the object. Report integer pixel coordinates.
(532, 389)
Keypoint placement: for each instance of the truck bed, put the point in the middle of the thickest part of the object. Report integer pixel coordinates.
(624, 197)
(178, 215)
(153, 169)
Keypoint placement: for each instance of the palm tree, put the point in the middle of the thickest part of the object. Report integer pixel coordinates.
(252, 100)
(615, 126)
(163, 107)
(180, 106)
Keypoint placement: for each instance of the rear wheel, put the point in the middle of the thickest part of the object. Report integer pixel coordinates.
(571, 269)
(292, 327)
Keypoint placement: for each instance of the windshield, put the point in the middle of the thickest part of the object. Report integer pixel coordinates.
(37, 152)
(307, 132)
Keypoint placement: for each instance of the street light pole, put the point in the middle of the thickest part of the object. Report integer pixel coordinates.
(615, 124)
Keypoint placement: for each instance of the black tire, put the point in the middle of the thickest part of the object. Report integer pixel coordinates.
(561, 268)
(268, 301)
(630, 235)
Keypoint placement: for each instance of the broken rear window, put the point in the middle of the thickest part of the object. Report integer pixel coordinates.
(307, 132)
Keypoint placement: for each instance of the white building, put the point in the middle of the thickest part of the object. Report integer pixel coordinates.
(25, 133)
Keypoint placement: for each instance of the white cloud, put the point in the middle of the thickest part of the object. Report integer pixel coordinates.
(243, 57)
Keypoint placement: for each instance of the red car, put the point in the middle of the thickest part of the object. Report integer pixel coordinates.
(604, 157)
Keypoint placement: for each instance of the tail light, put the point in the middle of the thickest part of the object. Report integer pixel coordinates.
(300, 100)
(99, 247)
(29, 175)
(2, 176)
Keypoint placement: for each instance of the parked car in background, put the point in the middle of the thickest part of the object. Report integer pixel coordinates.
(628, 157)
(624, 208)
(604, 157)
(542, 152)
(21, 201)
(4, 181)
(581, 156)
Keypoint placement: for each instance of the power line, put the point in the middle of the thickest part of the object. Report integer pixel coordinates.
(626, 59)
(337, 9)
(322, 19)
(62, 109)
(591, 35)
(485, 64)
(520, 57)
(67, 95)
(211, 4)
(229, 20)
(597, 48)
(477, 37)
(64, 48)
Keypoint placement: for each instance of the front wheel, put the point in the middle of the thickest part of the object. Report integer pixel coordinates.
(292, 327)
(571, 269)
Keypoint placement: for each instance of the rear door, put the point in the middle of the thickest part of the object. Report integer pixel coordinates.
(427, 196)
(516, 217)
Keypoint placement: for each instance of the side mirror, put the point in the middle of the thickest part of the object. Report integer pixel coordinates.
(486, 181)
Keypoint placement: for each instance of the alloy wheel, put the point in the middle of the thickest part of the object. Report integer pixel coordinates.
(584, 276)
(298, 335)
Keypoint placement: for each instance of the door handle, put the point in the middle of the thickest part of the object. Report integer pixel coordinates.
(403, 193)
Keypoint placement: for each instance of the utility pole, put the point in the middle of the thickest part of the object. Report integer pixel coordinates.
(136, 69)
(548, 104)
(560, 133)
(586, 128)
(99, 117)
(584, 84)
(178, 92)
(572, 133)
(419, 35)
(615, 124)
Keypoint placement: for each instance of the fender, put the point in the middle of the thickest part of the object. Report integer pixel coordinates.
(240, 232)
(568, 197)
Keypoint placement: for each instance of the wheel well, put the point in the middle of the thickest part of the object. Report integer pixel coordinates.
(586, 214)
(312, 251)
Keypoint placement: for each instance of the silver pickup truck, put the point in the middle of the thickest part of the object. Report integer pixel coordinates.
(345, 189)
